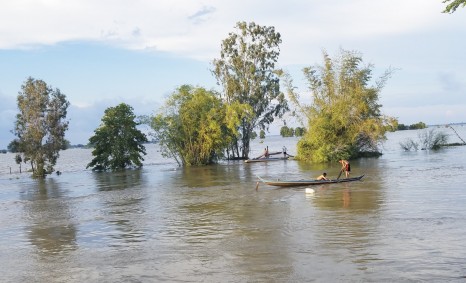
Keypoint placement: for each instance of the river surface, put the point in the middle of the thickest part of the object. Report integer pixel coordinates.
(404, 222)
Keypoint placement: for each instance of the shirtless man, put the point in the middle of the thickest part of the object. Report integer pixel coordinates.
(345, 166)
(322, 177)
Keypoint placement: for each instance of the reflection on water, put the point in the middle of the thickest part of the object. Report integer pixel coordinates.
(121, 204)
(108, 181)
(167, 224)
(50, 225)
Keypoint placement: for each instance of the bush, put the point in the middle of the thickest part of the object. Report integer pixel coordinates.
(429, 140)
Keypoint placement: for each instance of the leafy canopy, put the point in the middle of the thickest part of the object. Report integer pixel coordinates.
(451, 7)
(195, 126)
(246, 71)
(40, 125)
(117, 141)
(344, 119)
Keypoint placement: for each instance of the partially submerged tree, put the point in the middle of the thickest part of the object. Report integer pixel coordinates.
(40, 125)
(13, 146)
(428, 139)
(246, 71)
(344, 118)
(117, 142)
(431, 139)
(451, 7)
(195, 127)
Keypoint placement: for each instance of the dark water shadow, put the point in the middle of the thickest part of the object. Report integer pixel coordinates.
(119, 180)
(49, 216)
(123, 198)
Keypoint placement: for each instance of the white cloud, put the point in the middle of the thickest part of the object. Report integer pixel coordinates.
(196, 28)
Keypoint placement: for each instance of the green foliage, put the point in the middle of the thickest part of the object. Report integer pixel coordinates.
(392, 124)
(451, 8)
(428, 139)
(246, 70)
(286, 131)
(13, 146)
(344, 119)
(195, 127)
(117, 142)
(66, 144)
(417, 126)
(432, 140)
(299, 131)
(18, 159)
(262, 134)
(40, 125)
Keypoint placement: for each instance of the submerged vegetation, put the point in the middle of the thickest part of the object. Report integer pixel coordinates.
(40, 126)
(430, 140)
(344, 120)
(117, 142)
(195, 126)
(246, 72)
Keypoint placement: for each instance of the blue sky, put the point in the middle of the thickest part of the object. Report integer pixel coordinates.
(104, 52)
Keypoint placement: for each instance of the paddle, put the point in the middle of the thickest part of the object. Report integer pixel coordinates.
(341, 171)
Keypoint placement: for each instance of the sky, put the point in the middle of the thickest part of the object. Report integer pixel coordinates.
(100, 53)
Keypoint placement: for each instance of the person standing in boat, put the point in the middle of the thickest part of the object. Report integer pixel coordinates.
(265, 154)
(346, 167)
(322, 177)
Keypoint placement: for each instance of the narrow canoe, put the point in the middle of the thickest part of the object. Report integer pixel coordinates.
(286, 183)
(266, 159)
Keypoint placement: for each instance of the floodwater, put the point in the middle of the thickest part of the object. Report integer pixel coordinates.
(405, 222)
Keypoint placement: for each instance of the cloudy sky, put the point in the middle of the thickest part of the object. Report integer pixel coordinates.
(104, 52)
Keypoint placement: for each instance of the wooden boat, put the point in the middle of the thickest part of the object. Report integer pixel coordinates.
(290, 183)
(265, 159)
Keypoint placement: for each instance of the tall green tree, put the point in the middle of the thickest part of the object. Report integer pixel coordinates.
(117, 142)
(455, 4)
(262, 134)
(286, 131)
(40, 125)
(195, 127)
(246, 71)
(344, 119)
(13, 146)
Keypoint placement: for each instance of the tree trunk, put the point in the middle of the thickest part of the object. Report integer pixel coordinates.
(245, 142)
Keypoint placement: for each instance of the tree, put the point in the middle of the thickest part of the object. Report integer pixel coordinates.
(18, 160)
(195, 127)
(246, 71)
(451, 8)
(429, 140)
(117, 141)
(13, 146)
(418, 126)
(344, 119)
(392, 124)
(286, 131)
(262, 134)
(299, 131)
(40, 125)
